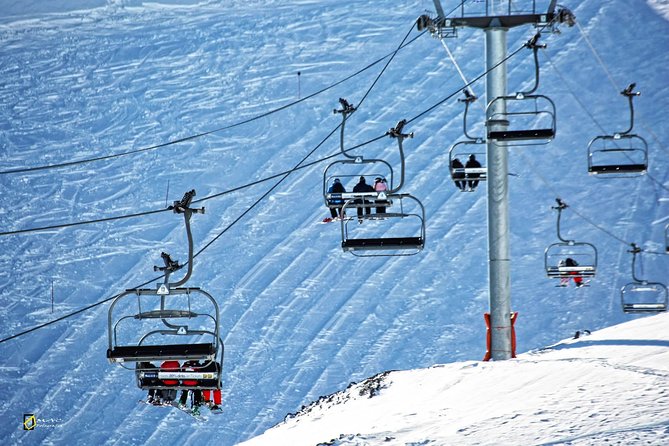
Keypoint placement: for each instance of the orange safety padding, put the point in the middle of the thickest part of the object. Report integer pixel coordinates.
(173, 366)
(488, 335)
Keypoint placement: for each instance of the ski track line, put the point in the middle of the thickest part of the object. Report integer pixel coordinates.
(273, 281)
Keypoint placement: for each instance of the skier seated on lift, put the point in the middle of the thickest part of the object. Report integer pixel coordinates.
(458, 177)
(564, 281)
(159, 397)
(191, 365)
(336, 188)
(472, 163)
(155, 395)
(215, 405)
(380, 185)
(362, 186)
(169, 395)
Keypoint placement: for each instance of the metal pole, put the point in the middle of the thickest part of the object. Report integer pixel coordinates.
(499, 264)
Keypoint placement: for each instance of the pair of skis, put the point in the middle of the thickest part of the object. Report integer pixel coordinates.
(331, 220)
(187, 410)
(584, 284)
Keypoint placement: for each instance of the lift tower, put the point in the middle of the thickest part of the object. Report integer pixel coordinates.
(495, 17)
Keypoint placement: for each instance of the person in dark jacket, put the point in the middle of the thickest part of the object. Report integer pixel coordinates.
(472, 163)
(578, 280)
(155, 395)
(169, 395)
(362, 186)
(336, 188)
(458, 177)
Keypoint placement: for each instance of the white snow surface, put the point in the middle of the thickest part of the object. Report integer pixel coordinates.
(609, 387)
(301, 319)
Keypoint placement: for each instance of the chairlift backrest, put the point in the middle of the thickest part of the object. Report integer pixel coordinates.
(349, 172)
(399, 233)
(524, 120)
(644, 297)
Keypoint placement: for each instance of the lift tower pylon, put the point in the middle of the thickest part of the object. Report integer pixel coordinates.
(495, 17)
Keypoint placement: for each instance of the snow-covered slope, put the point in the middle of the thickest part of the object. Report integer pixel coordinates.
(300, 319)
(609, 387)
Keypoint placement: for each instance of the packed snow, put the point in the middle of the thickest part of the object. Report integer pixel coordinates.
(607, 387)
(220, 97)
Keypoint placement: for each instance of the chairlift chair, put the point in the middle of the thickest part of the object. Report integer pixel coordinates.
(642, 296)
(170, 324)
(355, 166)
(619, 155)
(462, 150)
(150, 327)
(622, 154)
(526, 119)
(584, 254)
(400, 233)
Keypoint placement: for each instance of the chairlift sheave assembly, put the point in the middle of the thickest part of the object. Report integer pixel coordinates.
(398, 233)
(524, 118)
(642, 296)
(568, 259)
(622, 154)
(172, 326)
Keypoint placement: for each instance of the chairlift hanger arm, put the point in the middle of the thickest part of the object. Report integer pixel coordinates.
(630, 93)
(635, 250)
(534, 46)
(470, 98)
(561, 205)
(346, 110)
(183, 207)
(396, 132)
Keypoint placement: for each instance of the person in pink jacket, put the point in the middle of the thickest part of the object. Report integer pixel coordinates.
(380, 185)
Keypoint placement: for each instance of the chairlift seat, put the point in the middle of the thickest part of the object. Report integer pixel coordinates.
(617, 168)
(521, 135)
(147, 353)
(337, 200)
(465, 171)
(383, 243)
(644, 307)
(571, 271)
(165, 314)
